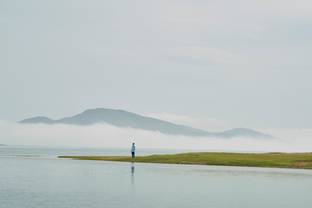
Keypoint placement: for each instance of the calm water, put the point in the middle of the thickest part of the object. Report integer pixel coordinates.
(35, 178)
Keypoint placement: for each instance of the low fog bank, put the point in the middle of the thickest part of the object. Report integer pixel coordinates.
(106, 136)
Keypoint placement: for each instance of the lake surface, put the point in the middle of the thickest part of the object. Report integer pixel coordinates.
(35, 178)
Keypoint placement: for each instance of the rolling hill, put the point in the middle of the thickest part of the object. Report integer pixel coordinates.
(125, 119)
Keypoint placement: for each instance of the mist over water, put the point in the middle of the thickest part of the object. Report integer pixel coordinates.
(106, 136)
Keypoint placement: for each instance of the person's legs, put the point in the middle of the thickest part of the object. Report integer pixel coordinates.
(132, 154)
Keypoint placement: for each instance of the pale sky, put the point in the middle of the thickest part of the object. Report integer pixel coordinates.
(244, 62)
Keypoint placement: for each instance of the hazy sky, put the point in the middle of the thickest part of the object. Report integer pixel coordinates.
(245, 62)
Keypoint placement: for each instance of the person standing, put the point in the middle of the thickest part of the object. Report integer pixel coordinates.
(133, 150)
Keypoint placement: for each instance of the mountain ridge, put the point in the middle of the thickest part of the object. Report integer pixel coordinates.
(126, 119)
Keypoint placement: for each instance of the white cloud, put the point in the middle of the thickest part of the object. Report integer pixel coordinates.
(204, 55)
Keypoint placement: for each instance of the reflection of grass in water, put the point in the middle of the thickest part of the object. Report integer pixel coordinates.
(278, 160)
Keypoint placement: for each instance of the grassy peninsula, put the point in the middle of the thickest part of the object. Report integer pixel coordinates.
(272, 160)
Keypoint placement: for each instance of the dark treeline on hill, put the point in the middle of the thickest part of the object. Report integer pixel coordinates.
(125, 119)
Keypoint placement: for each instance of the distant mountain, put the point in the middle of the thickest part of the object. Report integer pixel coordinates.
(243, 132)
(124, 119)
(38, 119)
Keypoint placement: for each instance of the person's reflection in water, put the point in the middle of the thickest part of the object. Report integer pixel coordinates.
(132, 174)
